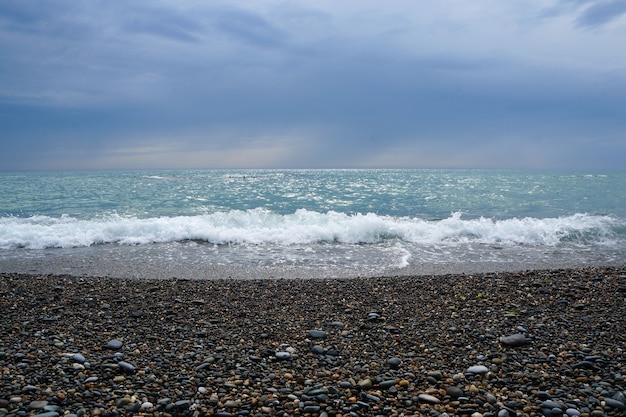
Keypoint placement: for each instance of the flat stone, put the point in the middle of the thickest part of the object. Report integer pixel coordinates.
(114, 344)
(182, 404)
(126, 367)
(77, 357)
(427, 398)
(38, 404)
(454, 392)
(615, 404)
(514, 340)
(478, 369)
(318, 350)
(283, 355)
(387, 384)
(317, 334)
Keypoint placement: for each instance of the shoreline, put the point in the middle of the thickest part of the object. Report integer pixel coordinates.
(389, 346)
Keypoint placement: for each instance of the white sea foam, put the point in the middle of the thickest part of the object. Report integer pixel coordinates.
(303, 227)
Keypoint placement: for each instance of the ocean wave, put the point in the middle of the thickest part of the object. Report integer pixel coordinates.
(260, 226)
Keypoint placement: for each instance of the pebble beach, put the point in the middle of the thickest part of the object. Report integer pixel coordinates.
(533, 343)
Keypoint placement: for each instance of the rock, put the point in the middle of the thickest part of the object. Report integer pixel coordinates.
(114, 344)
(283, 355)
(427, 398)
(514, 340)
(615, 404)
(394, 362)
(454, 392)
(317, 334)
(146, 405)
(318, 350)
(478, 369)
(182, 404)
(77, 357)
(387, 384)
(38, 404)
(126, 367)
(365, 383)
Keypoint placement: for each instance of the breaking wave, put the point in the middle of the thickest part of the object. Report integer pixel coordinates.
(260, 226)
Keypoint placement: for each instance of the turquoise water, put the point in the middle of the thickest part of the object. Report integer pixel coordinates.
(314, 222)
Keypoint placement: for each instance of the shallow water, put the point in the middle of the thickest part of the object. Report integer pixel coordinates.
(284, 223)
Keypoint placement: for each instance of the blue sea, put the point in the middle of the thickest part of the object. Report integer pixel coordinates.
(309, 223)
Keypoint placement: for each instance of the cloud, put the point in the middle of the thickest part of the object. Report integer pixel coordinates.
(587, 13)
(601, 12)
(309, 84)
(249, 28)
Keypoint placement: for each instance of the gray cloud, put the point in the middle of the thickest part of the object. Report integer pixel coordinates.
(297, 86)
(601, 12)
(587, 13)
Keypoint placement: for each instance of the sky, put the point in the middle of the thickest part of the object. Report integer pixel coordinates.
(191, 84)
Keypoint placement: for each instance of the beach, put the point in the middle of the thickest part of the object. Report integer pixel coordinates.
(536, 342)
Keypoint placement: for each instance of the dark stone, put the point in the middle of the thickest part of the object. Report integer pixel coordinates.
(615, 404)
(318, 350)
(394, 362)
(317, 334)
(514, 340)
(126, 367)
(454, 392)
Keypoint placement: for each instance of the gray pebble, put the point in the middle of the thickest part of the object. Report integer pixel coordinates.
(114, 344)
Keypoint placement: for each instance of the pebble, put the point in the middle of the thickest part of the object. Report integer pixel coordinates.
(283, 355)
(514, 340)
(114, 344)
(77, 357)
(615, 404)
(126, 367)
(389, 349)
(38, 404)
(478, 369)
(427, 398)
(317, 334)
(394, 362)
(454, 392)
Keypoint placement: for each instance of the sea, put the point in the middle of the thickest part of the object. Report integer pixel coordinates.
(288, 223)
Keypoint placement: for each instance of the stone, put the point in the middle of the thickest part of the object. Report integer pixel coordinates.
(283, 355)
(38, 404)
(126, 367)
(394, 362)
(387, 384)
(365, 383)
(427, 398)
(318, 350)
(317, 334)
(514, 340)
(615, 403)
(114, 344)
(77, 357)
(478, 369)
(454, 392)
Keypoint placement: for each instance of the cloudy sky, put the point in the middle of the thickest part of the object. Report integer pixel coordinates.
(312, 84)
